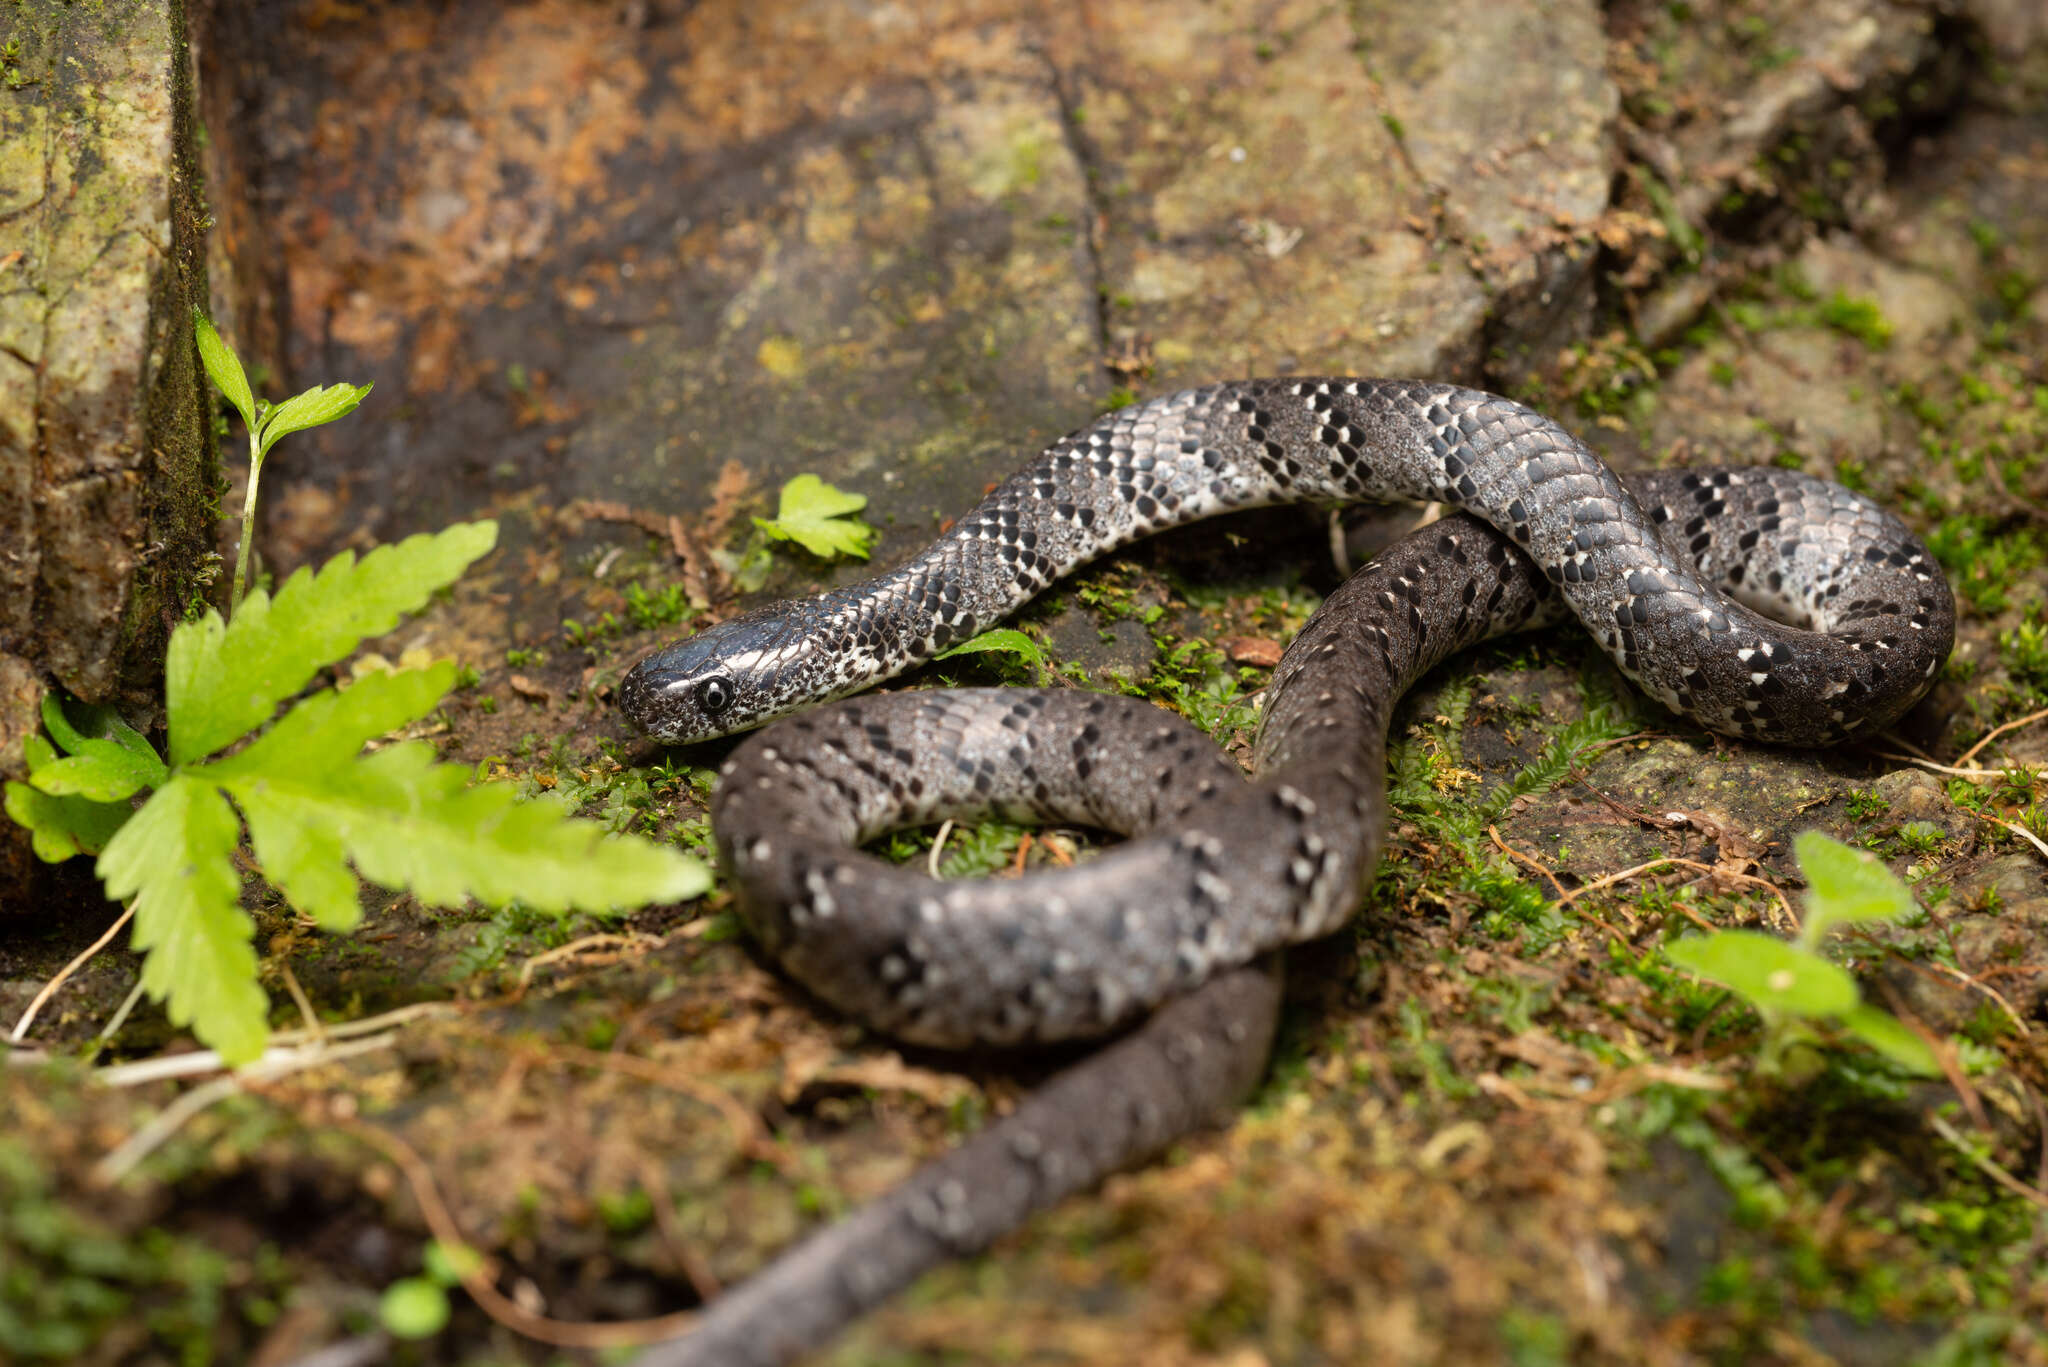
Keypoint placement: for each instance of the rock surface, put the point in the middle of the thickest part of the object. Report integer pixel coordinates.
(107, 471)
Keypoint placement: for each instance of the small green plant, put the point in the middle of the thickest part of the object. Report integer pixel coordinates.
(1002, 641)
(809, 513)
(1857, 317)
(417, 1307)
(1985, 564)
(1791, 984)
(2025, 651)
(319, 811)
(820, 518)
(268, 424)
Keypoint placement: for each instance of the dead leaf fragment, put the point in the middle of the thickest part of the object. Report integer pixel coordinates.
(1252, 650)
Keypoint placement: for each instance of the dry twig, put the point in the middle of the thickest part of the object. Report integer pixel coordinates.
(49, 988)
(493, 1302)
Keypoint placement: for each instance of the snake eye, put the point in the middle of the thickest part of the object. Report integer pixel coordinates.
(715, 694)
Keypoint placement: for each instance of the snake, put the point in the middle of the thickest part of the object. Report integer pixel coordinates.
(1761, 603)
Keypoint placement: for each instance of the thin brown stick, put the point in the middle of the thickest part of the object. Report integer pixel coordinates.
(305, 1003)
(557, 1333)
(49, 989)
(1697, 867)
(1526, 860)
(167, 1122)
(1896, 739)
(2021, 831)
(1943, 1052)
(1651, 819)
(701, 1278)
(938, 843)
(749, 1133)
(1981, 986)
(631, 940)
(1994, 734)
(1985, 1165)
(1975, 775)
(1566, 898)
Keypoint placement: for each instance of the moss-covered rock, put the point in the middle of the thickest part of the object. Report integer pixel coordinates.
(107, 470)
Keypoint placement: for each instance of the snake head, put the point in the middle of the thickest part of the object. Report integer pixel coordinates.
(727, 678)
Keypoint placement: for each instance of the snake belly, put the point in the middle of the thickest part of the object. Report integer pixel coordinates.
(1218, 872)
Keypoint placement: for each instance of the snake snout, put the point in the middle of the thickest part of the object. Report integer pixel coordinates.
(644, 696)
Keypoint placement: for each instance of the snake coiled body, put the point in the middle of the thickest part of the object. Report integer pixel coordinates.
(1668, 578)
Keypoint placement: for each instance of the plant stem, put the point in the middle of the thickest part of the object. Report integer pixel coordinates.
(248, 528)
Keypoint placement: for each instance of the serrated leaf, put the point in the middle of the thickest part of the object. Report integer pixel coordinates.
(314, 408)
(60, 827)
(331, 727)
(408, 822)
(1769, 972)
(1844, 885)
(304, 860)
(1889, 1036)
(1006, 640)
(224, 368)
(819, 518)
(175, 858)
(222, 680)
(307, 861)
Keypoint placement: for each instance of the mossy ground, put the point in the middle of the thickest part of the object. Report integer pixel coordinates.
(1498, 1126)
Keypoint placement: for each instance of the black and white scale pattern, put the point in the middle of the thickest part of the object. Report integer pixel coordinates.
(1852, 662)
(1218, 871)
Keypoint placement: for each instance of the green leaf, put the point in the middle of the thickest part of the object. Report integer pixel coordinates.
(1846, 885)
(223, 680)
(306, 860)
(1772, 974)
(1006, 640)
(407, 822)
(103, 772)
(175, 858)
(314, 408)
(111, 763)
(818, 517)
(448, 1264)
(330, 728)
(105, 722)
(413, 1308)
(225, 368)
(60, 827)
(58, 724)
(1888, 1035)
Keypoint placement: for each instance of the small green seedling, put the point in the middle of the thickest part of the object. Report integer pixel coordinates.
(810, 513)
(1792, 983)
(417, 1307)
(820, 518)
(268, 423)
(319, 810)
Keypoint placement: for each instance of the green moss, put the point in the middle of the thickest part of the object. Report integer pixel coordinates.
(1856, 317)
(1985, 561)
(67, 1276)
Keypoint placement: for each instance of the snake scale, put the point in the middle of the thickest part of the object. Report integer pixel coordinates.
(1673, 574)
